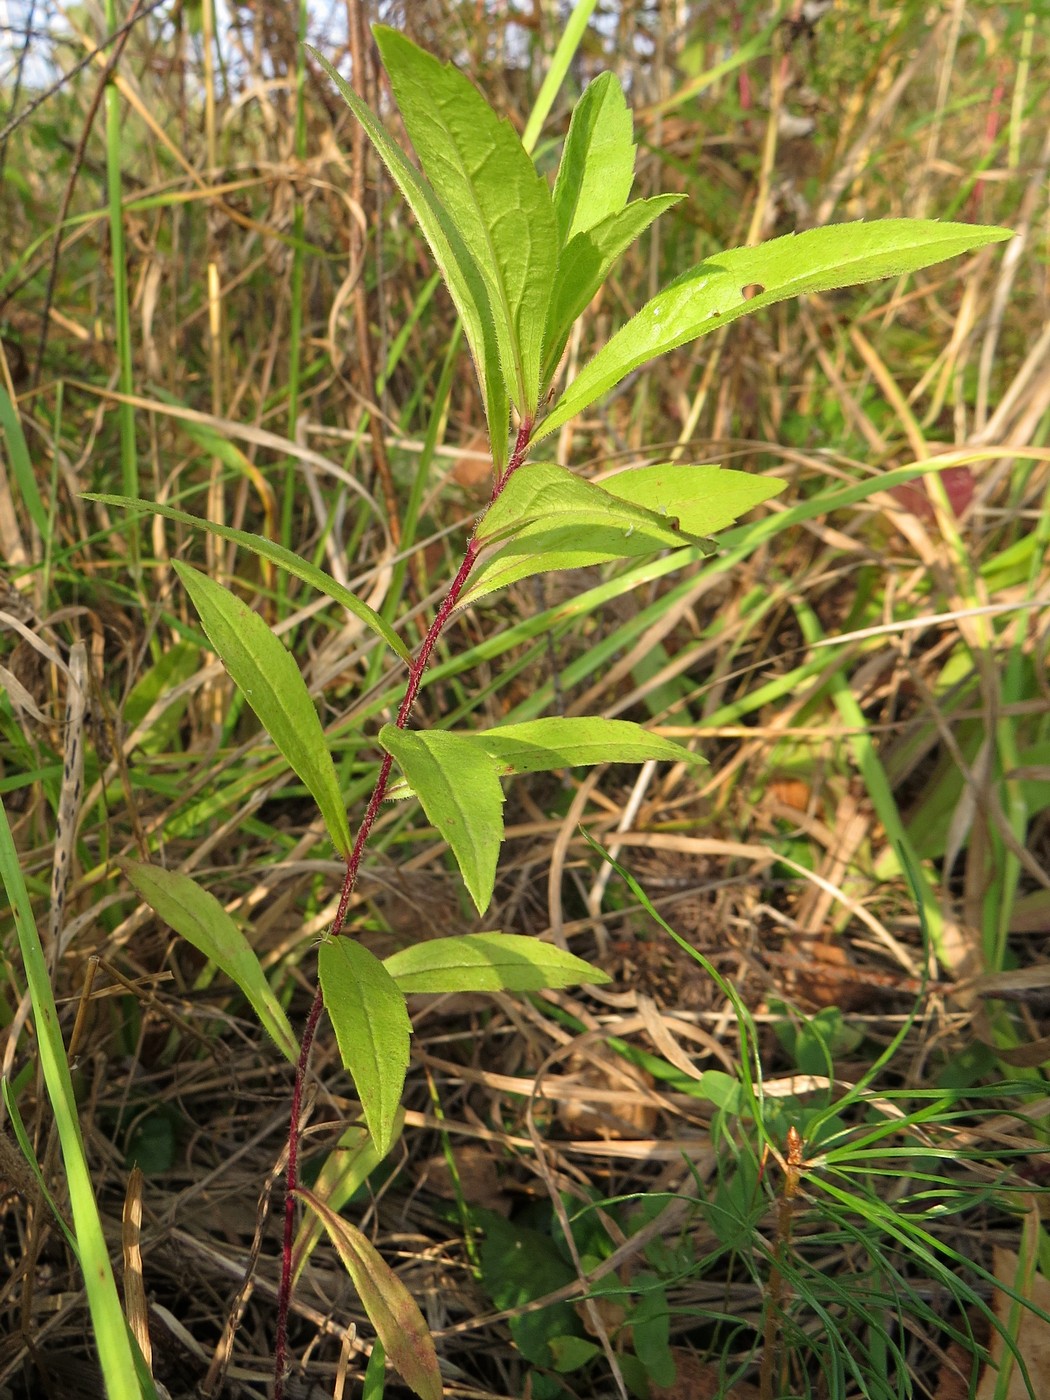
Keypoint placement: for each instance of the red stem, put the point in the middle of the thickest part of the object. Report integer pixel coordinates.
(353, 864)
(991, 132)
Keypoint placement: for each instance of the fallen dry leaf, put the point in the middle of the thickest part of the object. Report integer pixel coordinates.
(699, 1380)
(1033, 1335)
(596, 1102)
(479, 1179)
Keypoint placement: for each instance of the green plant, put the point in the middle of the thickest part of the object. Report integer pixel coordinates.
(882, 1177)
(521, 263)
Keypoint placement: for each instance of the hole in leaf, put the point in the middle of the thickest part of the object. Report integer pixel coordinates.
(753, 289)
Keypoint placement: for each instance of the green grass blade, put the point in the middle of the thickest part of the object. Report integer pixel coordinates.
(712, 294)
(572, 37)
(108, 1323)
(277, 554)
(265, 671)
(21, 464)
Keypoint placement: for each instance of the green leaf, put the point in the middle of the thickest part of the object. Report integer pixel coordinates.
(712, 294)
(597, 164)
(460, 793)
(535, 746)
(576, 742)
(542, 495)
(112, 1337)
(344, 1171)
(562, 547)
(584, 265)
(455, 262)
(276, 554)
(570, 1353)
(702, 499)
(488, 962)
(373, 1386)
(263, 668)
(372, 1029)
(197, 916)
(650, 1320)
(391, 1308)
(493, 194)
(21, 462)
(546, 518)
(518, 1265)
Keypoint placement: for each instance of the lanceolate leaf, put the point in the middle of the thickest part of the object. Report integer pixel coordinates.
(276, 554)
(263, 668)
(198, 917)
(703, 499)
(488, 962)
(455, 262)
(391, 1308)
(457, 785)
(548, 519)
(584, 266)
(712, 294)
(347, 1167)
(372, 1029)
(576, 742)
(597, 164)
(543, 494)
(539, 745)
(540, 550)
(493, 194)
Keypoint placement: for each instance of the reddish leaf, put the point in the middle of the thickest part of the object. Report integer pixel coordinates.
(392, 1309)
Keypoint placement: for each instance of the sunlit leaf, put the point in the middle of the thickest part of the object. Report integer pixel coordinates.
(454, 259)
(488, 962)
(584, 265)
(564, 547)
(457, 786)
(713, 294)
(492, 192)
(196, 915)
(597, 164)
(372, 1030)
(263, 669)
(577, 741)
(541, 495)
(390, 1307)
(702, 499)
(573, 742)
(546, 518)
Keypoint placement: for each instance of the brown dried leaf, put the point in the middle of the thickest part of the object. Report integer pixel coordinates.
(613, 1111)
(478, 1177)
(1033, 1334)
(953, 1377)
(697, 1380)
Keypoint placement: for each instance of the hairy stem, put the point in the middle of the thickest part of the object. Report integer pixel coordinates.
(353, 865)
